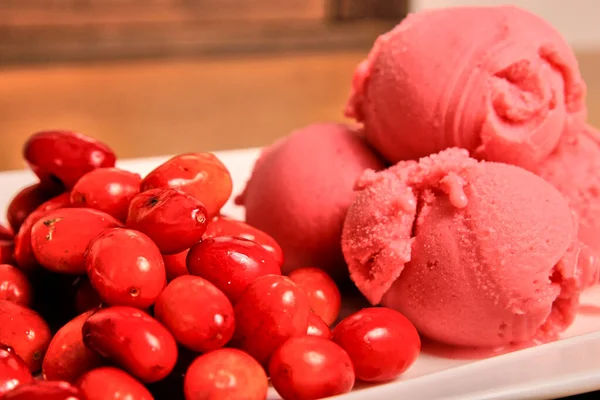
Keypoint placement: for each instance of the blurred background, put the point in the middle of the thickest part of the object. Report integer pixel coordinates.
(155, 77)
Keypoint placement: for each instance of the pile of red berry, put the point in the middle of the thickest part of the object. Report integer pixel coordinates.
(118, 287)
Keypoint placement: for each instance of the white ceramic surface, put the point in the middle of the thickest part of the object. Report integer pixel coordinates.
(566, 367)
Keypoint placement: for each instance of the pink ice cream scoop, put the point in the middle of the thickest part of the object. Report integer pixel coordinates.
(497, 81)
(300, 189)
(574, 169)
(474, 253)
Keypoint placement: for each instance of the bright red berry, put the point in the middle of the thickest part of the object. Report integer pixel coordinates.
(125, 268)
(173, 219)
(112, 383)
(64, 157)
(13, 370)
(107, 189)
(224, 226)
(323, 294)
(15, 286)
(197, 313)
(60, 239)
(133, 340)
(25, 331)
(67, 357)
(310, 367)
(270, 311)
(381, 342)
(231, 264)
(201, 175)
(317, 327)
(226, 374)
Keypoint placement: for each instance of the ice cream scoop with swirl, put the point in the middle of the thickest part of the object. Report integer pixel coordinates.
(497, 81)
(474, 253)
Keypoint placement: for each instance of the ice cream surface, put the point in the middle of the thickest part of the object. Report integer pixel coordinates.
(474, 253)
(300, 189)
(574, 169)
(497, 81)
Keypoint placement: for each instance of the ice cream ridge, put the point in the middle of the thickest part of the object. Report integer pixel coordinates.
(499, 82)
(473, 253)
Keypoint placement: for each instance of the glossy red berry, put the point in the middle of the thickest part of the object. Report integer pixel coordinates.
(5, 233)
(175, 264)
(225, 374)
(107, 189)
(202, 175)
(61, 156)
(231, 264)
(133, 340)
(323, 294)
(224, 226)
(25, 331)
(197, 313)
(317, 327)
(60, 238)
(173, 219)
(7, 250)
(23, 251)
(67, 358)
(125, 268)
(310, 367)
(109, 383)
(381, 342)
(86, 297)
(25, 202)
(13, 370)
(45, 390)
(15, 286)
(270, 311)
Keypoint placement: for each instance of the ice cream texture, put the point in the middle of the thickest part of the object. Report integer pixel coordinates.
(498, 81)
(300, 189)
(474, 253)
(574, 169)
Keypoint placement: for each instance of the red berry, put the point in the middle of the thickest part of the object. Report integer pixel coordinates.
(7, 250)
(108, 383)
(173, 219)
(67, 357)
(271, 310)
(231, 264)
(133, 340)
(107, 189)
(323, 294)
(23, 252)
(311, 367)
(125, 267)
(197, 313)
(201, 175)
(25, 202)
(45, 390)
(175, 264)
(25, 331)
(224, 226)
(5, 233)
(86, 297)
(317, 327)
(60, 238)
(13, 370)
(15, 286)
(65, 156)
(225, 374)
(381, 342)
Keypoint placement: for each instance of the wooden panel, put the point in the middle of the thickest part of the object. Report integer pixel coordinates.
(85, 12)
(381, 9)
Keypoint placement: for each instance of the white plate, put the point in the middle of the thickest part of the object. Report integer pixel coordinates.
(569, 366)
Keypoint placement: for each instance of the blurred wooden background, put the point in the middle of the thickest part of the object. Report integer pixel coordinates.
(165, 84)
